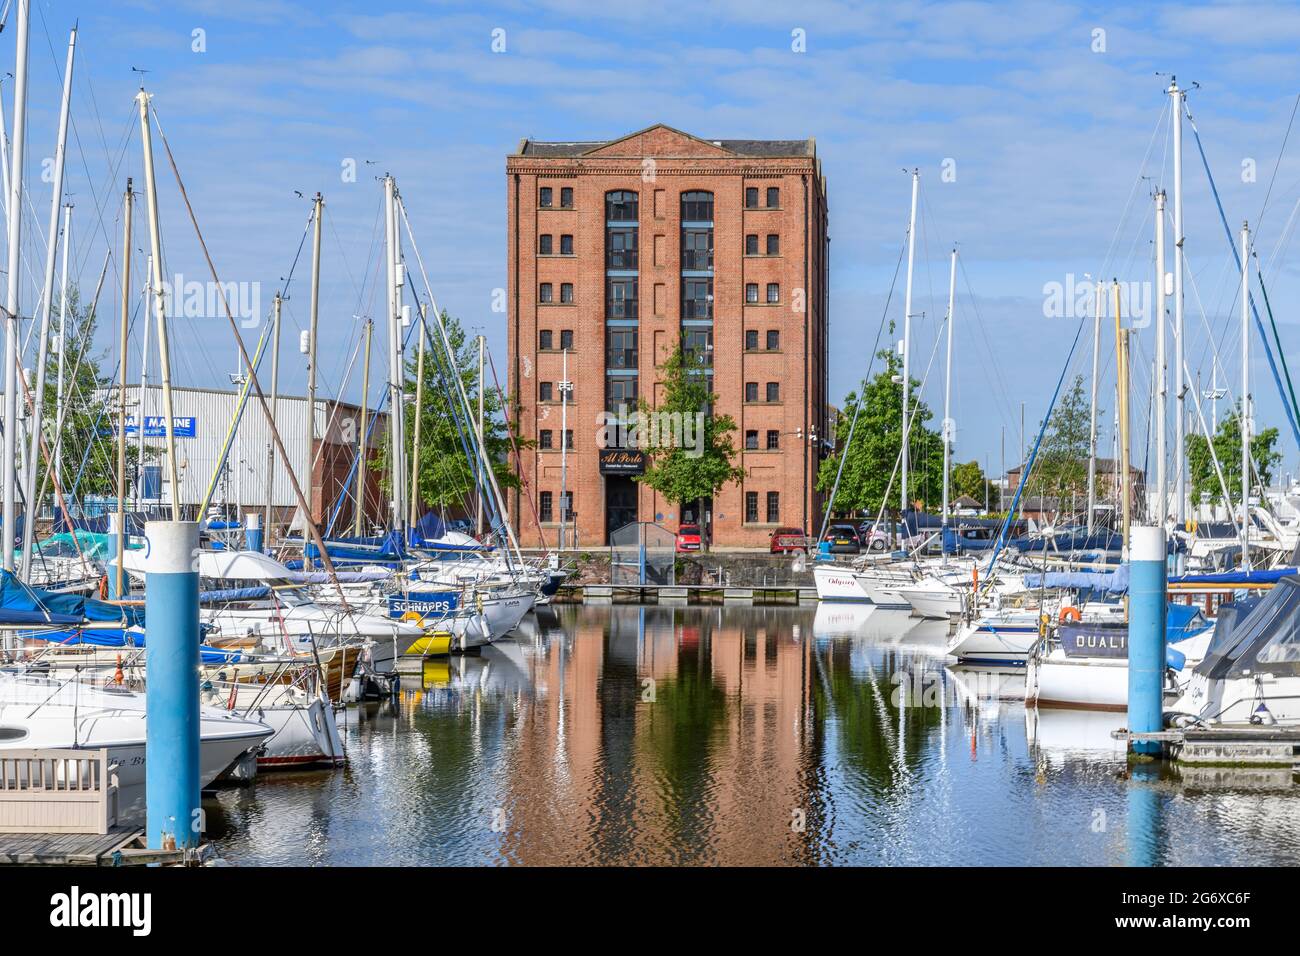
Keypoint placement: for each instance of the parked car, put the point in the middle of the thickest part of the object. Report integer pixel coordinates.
(877, 538)
(689, 539)
(786, 540)
(843, 539)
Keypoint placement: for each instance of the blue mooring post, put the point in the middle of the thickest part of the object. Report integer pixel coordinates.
(253, 531)
(171, 608)
(1146, 635)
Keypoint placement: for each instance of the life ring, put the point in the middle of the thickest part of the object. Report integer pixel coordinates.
(1069, 614)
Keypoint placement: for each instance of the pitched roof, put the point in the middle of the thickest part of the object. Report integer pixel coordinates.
(752, 148)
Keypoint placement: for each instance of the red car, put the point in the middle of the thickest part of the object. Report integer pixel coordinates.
(688, 538)
(788, 540)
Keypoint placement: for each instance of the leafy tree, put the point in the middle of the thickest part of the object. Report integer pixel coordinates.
(1062, 465)
(88, 423)
(1227, 448)
(870, 462)
(686, 474)
(447, 476)
(968, 479)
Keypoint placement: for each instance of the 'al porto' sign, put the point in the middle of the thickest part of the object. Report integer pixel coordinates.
(621, 461)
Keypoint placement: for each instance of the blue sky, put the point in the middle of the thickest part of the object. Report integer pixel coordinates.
(1049, 124)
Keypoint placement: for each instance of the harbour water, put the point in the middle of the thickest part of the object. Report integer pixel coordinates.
(741, 735)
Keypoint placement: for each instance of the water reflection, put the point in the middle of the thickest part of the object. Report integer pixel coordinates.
(736, 735)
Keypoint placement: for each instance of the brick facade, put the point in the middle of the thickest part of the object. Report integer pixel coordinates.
(659, 165)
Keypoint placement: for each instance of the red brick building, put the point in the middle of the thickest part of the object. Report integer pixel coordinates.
(616, 251)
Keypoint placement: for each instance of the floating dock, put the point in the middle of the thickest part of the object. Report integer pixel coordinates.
(1226, 745)
(121, 846)
(680, 594)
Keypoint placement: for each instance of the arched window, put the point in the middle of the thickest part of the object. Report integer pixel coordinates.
(697, 206)
(621, 206)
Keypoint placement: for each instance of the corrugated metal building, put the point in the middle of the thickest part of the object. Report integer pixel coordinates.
(203, 418)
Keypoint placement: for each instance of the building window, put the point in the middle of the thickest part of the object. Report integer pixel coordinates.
(751, 340)
(546, 293)
(544, 507)
(544, 390)
(620, 249)
(566, 197)
(620, 298)
(751, 391)
(544, 340)
(773, 197)
(773, 339)
(697, 347)
(545, 439)
(773, 507)
(697, 207)
(773, 439)
(544, 244)
(773, 292)
(568, 439)
(751, 197)
(566, 338)
(697, 298)
(751, 439)
(773, 244)
(620, 394)
(751, 245)
(773, 391)
(566, 245)
(566, 293)
(697, 249)
(751, 291)
(621, 206)
(620, 349)
(544, 197)
(751, 506)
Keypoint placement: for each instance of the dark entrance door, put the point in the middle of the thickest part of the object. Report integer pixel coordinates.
(620, 502)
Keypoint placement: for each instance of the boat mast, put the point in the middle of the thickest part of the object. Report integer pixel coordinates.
(124, 324)
(907, 335)
(1125, 477)
(478, 521)
(159, 302)
(144, 386)
(397, 432)
(1177, 97)
(277, 305)
(63, 342)
(38, 403)
(1245, 397)
(15, 227)
(318, 208)
(362, 442)
(1162, 490)
(1092, 425)
(947, 390)
(413, 515)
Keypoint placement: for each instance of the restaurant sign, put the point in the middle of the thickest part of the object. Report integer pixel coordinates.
(621, 461)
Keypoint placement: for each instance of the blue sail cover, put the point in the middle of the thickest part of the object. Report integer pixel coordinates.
(1116, 582)
(117, 637)
(16, 597)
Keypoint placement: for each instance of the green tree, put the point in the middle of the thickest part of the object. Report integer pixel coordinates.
(1227, 448)
(968, 479)
(446, 477)
(870, 462)
(705, 466)
(88, 425)
(1062, 465)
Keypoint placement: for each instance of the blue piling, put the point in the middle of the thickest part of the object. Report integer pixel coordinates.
(172, 807)
(253, 531)
(1146, 635)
